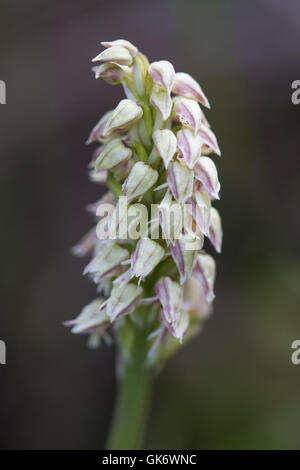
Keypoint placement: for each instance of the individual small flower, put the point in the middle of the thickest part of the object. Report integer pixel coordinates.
(146, 257)
(97, 133)
(190, 146)
(117, 54)
(107, 263)
(185, 85)
(205, 171)
(123, 116)
(199, 207)
(184, 256)
(166, 144)
(170, 217)
(122, 301)
(215, 233)
(141, 178)
(163, 74)
(180, 180)
(113, 153)
(170, 295)
(122, 43)
(205, 273)
(156, 139)
(90, 318)
(194, 301)
(86, 245)
(161, 100)
(209, 139)
(188, 112)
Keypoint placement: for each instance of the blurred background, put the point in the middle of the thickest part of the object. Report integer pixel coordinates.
(234, 387)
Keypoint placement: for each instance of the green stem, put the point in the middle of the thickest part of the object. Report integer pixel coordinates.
(133, 400)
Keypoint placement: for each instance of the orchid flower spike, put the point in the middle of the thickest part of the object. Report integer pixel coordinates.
(154, 280)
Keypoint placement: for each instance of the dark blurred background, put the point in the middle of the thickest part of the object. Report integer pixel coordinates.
(233, 387)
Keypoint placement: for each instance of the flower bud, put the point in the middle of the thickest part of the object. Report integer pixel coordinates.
(146, 257)
(185, 257)
(163, 74)
(161, 100)
(113, 153)
(123, 116)
(205, 171)
(123, 300)
(141, 178)
(89, 318)
(185, 85)
(170, 217)
(188, 112)
(209, 139)
(107, 263)
(215, 233)
(205, 272)
(123, 43)
(166, 144)
(190, 145)
(118, 54)
(180, 180)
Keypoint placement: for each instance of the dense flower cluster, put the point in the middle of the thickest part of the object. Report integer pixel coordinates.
(154, 149)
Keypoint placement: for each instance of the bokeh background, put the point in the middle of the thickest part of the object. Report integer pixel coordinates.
(233, 387)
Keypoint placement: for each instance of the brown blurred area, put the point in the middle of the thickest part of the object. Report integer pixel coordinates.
(234, 386)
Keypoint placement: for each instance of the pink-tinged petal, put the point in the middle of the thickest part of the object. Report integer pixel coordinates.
(118, 54)
(123, 117)
(209, 139)
(123, 43)
(205, 273)
(170, 295)
(161, 100)
(185, 85)
(166, 144)
(205, 171)
(97, 131)
(113, 153)
(141, 178)
(170, 217)
(215, 234)
(123, 300)
(179, 327)
(184, 257)
(188, 111)
(107, 262)
(190, 145)
(163, 74)
(146, 257)
(89, 318)
(180, 180)
(86, 245)
(199, 207)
